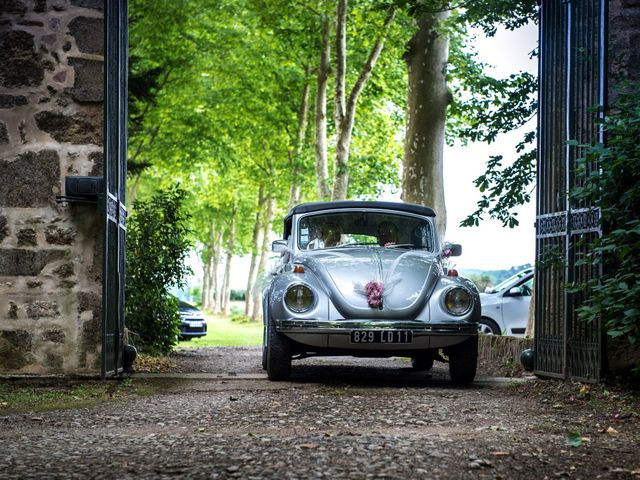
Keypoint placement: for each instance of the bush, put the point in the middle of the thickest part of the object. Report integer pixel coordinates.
(237, 295)
(157, 244)
(615, 187)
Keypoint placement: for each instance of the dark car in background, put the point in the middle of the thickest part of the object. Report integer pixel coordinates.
(193, 322)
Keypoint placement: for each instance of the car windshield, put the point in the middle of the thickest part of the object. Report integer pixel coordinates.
(345, 229)
(504, 284)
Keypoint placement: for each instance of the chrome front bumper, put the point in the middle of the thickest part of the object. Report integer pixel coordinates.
(337, 334)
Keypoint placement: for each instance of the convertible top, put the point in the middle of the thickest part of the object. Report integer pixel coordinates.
(319, 206)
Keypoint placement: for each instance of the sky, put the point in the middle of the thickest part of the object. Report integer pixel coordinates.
(491, 246)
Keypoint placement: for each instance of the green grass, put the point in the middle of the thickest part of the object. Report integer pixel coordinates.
(222, 332)
(35, 395)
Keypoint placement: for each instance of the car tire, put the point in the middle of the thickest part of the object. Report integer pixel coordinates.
(488, 327)
(264, 346)
(278, 355)
(463, 361)
(422, 363)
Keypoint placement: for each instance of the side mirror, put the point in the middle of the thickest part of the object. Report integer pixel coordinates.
(279, 246)
(452, 250)
(514, 292)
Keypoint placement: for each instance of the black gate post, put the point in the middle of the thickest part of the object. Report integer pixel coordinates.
(115, 172)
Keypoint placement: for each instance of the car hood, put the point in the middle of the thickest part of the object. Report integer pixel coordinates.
(408, 278)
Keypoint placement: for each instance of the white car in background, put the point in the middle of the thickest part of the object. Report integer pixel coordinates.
(505, 307)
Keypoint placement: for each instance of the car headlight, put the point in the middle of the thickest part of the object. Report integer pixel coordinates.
(299, 298)
(458, 301)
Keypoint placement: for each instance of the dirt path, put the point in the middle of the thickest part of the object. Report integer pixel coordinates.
(335, 419)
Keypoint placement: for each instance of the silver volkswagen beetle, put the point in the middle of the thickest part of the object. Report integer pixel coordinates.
(368, 279)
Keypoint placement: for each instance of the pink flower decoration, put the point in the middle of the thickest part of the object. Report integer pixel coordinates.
(374, 293)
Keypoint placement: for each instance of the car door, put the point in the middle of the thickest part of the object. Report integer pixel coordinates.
(515, 306)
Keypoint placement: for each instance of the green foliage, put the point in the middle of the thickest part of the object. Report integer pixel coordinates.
(482, 281)
(157, 245)
(612, 182)
(237, 295)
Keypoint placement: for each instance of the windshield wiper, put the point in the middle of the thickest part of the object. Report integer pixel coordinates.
(404, 245)
(353, 245)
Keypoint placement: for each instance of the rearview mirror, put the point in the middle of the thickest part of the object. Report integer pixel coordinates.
(452, 250)
(279, 246)
(514, 292)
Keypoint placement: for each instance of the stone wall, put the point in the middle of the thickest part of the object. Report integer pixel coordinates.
(51, 125)
(624, 38)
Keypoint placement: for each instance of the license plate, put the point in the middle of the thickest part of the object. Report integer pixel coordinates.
(381, 336)
(195, 324)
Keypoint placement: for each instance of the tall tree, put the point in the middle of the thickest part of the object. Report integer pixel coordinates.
(427, 100)
(345, 108)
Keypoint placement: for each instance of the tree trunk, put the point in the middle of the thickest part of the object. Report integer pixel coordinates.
(341, 170)
(426, 58)
(226, 294)
(206, 281)
(530, 331)
(216, 288)
(303, 113)
(255, 241)
(257, 290)
(320, 116)
(339, 107)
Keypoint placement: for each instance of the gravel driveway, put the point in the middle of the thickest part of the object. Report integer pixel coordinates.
(337, 418)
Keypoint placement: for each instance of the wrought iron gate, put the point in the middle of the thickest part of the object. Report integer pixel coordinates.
(115, 172)
(572, 97)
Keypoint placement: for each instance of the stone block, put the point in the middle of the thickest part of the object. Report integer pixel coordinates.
(20, 64)
(40, 6)
(97, 159)
(54, 361)
(4, 134)
(93, 4)
(20, 262)
(78, 129)
(87, 86)
(29, 180)
(65, 270)
(12, 7)
(54, 335)
(60, 235)
(88, 33)
(90, 301)
(42, 309)
(27, 238)
(18, 338)
(4, 229)
(10, 101)
(15, 348)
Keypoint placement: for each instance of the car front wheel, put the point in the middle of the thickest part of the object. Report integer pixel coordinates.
(264, 347)
(463, 361)
(278, 354)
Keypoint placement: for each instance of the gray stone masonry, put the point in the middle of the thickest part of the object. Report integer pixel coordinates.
(51, 122)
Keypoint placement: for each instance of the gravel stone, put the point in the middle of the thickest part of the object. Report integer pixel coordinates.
(337, 418)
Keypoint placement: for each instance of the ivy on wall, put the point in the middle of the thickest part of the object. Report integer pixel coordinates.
(615, 187)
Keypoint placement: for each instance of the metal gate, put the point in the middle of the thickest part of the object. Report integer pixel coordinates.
(115, 172)
(572, 98)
